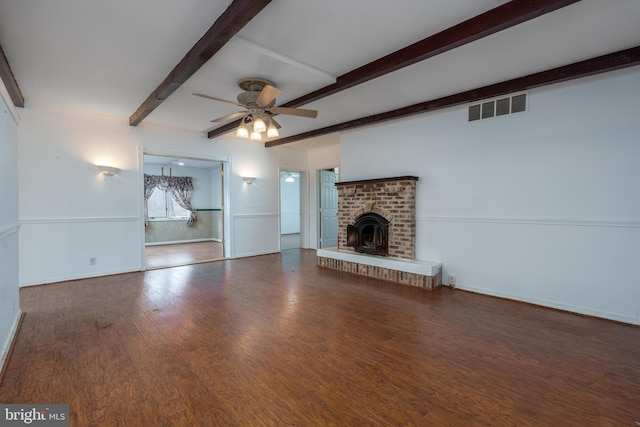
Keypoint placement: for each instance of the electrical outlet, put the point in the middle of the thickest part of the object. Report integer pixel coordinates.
(93, 260)
(452, 280)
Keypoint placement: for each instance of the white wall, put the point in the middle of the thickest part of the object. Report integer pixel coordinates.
(255, 211)
(217, 202)
(70, 213)
(216, 188)
(9, 226)
(541, 206)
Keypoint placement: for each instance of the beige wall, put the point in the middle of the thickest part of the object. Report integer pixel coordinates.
(208, 226)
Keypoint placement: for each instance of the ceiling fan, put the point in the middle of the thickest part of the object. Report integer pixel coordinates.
(259, 99)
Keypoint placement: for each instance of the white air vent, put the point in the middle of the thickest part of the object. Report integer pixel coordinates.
(498, 107)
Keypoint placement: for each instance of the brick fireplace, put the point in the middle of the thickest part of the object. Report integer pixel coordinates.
(394, 199)
(376, 233)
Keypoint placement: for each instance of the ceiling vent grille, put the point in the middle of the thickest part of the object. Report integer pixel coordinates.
(498, 107)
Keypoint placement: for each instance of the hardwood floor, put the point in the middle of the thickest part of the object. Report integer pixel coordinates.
(275, 340)
(161, 256)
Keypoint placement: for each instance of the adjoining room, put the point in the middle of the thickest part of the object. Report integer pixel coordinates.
(184, 224)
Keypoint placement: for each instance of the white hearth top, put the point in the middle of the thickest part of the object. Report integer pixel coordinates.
(426, 268)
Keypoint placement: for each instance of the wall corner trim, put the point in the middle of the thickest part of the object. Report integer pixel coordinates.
(7, 349)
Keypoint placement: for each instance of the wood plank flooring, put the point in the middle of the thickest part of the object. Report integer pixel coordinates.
(161, 256)
(275, 340)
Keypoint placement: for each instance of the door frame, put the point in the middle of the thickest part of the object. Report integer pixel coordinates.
(304, 206)
(226, 211)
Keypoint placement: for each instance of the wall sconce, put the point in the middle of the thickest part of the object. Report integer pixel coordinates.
(248, 180)
(108, 170)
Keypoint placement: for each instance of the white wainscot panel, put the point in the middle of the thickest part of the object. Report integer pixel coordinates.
(53, 250)
(255, 234)
(579, 265)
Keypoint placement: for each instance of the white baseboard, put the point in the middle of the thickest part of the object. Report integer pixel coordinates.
(82, 276)
(555, 305)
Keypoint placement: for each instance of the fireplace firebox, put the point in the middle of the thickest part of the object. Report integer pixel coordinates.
(369, 234)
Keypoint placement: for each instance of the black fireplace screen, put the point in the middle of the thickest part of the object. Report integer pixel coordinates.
(369, 234)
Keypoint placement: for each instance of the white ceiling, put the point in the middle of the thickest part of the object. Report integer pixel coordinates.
(109, 56)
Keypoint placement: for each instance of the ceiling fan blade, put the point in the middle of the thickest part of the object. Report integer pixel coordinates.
(267, 95)
(214, 98)
(276, 124)
(230, 117)
(300, 112)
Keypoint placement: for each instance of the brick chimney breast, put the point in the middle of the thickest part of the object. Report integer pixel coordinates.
(392, 198)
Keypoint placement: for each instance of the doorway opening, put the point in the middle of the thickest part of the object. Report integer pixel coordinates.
(184, 211)
(290, 209)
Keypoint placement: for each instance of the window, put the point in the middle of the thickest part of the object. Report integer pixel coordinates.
(162, 205)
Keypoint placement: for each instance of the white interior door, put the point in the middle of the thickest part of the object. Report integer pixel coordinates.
(328, 209)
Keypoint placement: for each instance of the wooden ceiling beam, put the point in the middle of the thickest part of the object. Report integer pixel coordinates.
(601, 64)
(9, 80)
(234, 18)
(497, 19)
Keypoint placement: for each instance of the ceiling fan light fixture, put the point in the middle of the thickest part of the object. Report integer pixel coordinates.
(259, 125)
(243, 130)
(258, 97)
(272, 131)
